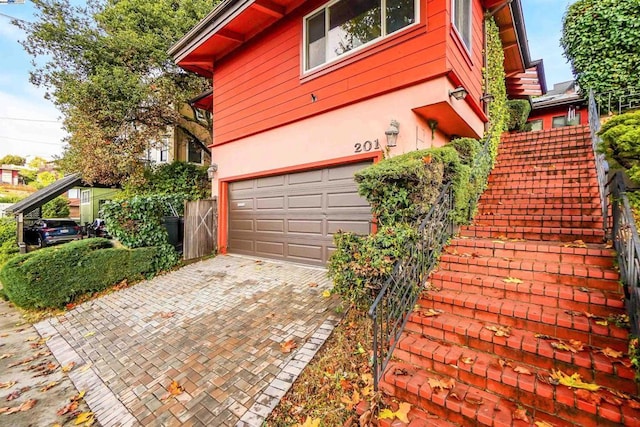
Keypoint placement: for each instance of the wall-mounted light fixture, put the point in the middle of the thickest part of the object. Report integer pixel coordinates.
(459, 93)
(486, 98)
(211, 170)
(392, 133)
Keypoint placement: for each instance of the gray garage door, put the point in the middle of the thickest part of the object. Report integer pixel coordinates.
(294, 216)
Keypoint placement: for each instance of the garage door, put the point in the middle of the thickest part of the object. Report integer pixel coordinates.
(294, 216)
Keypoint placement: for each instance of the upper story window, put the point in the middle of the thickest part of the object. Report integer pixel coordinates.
(344, 25)
(194, 152)
(462, 20)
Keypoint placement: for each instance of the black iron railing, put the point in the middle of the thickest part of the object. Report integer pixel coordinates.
(622, 228)
(398, 296)
(609, 103)
(390, 310)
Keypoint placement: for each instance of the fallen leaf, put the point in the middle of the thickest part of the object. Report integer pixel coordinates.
(313, 285)
(167, 315)
(13, 395)
(500, 331)
(288, 346)
(438, 384)
(175, 389)
(32, 338)
(89, 334)
(576, 244)
(521, 370)
(386, 414)
(352, 401)
(602, 322)
(69, 407)
(573, 381)
(6, 355)
(68, 367)
(8, 384)
(612, 353)
(427, 159)
(467, 360)
(576, 345)
(520, 414)
(310, 422)
(512, 280)
(326, 293)
(430, 312)
(587, 396)
(345, 384)
(543, 424)
(401, 413)
(49, 386)
(85, 417)
(400, 371)
(473, 399)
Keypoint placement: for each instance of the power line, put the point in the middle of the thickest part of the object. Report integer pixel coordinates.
(30, 140)
(30, 120)
(13, 17)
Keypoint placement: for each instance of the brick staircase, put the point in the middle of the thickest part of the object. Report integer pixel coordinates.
(511, 293)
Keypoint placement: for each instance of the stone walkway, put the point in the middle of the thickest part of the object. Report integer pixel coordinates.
(215, 327)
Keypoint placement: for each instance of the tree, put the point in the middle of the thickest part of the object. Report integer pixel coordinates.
(108, 71)
(56, 208)
(601, 40)
(12, 159)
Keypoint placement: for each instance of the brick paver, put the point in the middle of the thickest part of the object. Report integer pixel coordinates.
(215, 327)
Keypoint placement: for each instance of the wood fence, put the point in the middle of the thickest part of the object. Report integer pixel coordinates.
(200, 228)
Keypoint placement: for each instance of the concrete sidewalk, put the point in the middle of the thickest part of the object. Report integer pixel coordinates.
(215, 327)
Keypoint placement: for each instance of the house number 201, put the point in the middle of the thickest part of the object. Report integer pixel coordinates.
(366, 146)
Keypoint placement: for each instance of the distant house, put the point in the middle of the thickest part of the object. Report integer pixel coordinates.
(562, 106)
(305, 93)
(9, 174)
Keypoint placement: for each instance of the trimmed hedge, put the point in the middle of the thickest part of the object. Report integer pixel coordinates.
(54, 276)
(519, 110)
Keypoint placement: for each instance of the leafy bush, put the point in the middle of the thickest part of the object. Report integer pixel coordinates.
(54, 276)
(137, 223)
(10, 198)
(621, 137)
(519, 110)
(8, 239)
(56, 208)
(497, 110)
(174, 178)
(361, 264)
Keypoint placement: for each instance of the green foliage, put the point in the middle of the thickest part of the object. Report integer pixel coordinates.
(12, 159)
(137, 223)
(634, 355)
(12, 198)
(54, 276)
(56, 208)
(106, 67)
(498, 110)
(600, 39)
(621, 138)
(519, 110)
(8, 239)
(361, 264)
(174, 178)
(46, 178)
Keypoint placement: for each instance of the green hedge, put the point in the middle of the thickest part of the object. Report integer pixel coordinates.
(519, 110)
(54, 276)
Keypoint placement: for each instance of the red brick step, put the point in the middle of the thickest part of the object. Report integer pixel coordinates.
(535, 233)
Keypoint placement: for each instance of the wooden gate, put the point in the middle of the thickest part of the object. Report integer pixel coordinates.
(200, 228)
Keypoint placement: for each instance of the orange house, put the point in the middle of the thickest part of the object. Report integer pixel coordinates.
(305, 93)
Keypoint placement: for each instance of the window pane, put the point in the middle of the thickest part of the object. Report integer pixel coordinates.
(400, 13)
(559, 121)
(316, 40)
(351, 24)
(536, 125)
(462, 20)
(195, 153)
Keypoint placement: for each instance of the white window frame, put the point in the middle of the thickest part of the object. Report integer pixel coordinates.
(164, 149)
(469, 5)
(416, 8)
(85, 200)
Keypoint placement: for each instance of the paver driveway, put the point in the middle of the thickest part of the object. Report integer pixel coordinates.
(214, 327)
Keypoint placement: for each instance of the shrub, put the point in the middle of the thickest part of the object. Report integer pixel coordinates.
(54, 276)
(174, 178)
(361, 264)
(621, 137)
(137, 223)
(8, 239)
(519, 110)
(56, 208)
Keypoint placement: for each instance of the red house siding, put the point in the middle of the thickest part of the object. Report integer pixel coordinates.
(548, 114)
(262, 86)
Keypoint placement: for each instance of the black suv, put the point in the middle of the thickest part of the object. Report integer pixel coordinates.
(53, 230)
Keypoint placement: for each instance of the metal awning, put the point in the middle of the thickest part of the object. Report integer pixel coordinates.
(45, 194)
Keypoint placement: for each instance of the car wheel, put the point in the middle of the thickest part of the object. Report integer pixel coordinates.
(41, 243)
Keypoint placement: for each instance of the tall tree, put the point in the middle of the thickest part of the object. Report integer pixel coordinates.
(108, 71)
(601, 40)
(12, 159)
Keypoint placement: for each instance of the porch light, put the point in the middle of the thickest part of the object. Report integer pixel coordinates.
(459, 93)
(392, 133)
(211, 170)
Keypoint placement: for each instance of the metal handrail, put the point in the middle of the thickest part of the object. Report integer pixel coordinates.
(391, 309)
(617, 102)
(622, 228)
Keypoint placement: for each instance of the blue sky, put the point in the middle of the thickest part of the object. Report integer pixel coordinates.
(39, 133)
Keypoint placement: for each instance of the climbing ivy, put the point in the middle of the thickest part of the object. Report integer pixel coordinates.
(495, 80)
(601, 40)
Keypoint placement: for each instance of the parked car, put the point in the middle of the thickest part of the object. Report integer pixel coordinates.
(50, 231)
(97, 229)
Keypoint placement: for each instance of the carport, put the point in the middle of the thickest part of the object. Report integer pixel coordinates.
(29, 208)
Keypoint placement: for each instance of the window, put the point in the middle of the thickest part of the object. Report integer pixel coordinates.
(572, 119)
(462, 20)
(559, 121)
(536, 125)
(164, 149)
(345, 25)
(194, 152)
(85, 197)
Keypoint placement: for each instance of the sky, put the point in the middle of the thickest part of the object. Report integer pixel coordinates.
(31, 125)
